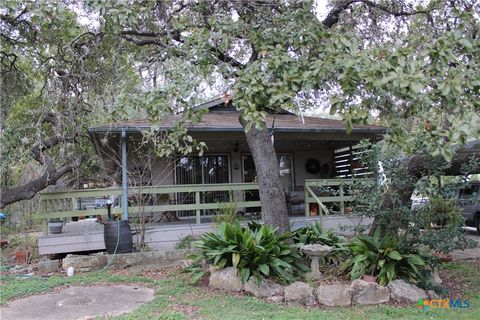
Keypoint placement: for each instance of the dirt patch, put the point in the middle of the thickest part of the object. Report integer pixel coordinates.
(455, 282)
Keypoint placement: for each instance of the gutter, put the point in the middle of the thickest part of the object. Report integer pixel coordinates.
(94, 130)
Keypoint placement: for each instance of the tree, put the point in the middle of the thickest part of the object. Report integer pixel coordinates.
(273, 52)
(367, 57)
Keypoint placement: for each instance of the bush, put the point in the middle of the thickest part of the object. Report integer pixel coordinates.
(384, 257)
(256, 252)
(228, 214)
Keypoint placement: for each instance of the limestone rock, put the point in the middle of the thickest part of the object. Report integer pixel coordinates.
(435, 278)
(369, 292)
(433, 295)
(226, 279)
(405, 292)
(275, 299)
(334, 295)
(84, 263)
(265, 289)
(299, 293)
(48, 266)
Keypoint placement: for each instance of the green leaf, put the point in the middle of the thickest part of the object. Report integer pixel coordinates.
(244, 275)
(235, 259)
(394, 255)
(264, 269)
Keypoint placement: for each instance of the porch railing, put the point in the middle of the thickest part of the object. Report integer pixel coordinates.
(338, 191)
(65, 204)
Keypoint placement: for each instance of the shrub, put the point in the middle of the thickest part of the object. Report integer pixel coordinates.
(384, 258)
(253, 252)
(227, 213)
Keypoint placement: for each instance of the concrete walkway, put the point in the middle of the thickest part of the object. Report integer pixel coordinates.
(87, 302)
(468, 254)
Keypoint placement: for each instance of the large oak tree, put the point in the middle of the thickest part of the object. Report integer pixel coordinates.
(410, 65)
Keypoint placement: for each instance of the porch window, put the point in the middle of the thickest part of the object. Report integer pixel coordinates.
(206, 169)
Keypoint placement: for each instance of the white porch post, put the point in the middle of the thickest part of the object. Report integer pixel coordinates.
(124, 175)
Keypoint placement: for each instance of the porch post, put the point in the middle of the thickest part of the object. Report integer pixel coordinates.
(124, 175)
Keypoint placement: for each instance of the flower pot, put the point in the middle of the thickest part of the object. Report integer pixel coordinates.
(55, 226)
(21, 257)
(369, 278)
(443, 257)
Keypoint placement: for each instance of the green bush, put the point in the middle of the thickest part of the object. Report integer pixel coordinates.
(227, 213)
(256, 252)
(383, 257)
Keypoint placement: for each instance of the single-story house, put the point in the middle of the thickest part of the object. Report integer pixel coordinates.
(311, 151)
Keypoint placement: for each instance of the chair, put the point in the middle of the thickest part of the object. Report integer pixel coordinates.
(168, 215)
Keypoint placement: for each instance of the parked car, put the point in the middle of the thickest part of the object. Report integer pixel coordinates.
(469, 201)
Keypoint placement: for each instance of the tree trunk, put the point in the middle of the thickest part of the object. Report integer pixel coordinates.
(272, 196)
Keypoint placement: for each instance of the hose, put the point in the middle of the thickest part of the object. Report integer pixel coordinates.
(116, 247)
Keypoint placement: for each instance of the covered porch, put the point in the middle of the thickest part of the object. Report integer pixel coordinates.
(167, 222)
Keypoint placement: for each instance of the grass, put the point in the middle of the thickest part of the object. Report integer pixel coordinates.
(176, 299)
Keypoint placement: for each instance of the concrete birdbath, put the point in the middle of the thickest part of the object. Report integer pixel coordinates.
(315, 252)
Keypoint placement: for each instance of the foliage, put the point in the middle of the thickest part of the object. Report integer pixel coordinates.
(313, 234)
(228, 214)
(185, 242)
(442, 212)
(384, 257)
(258, 252)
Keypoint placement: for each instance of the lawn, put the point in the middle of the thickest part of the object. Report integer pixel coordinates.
(177, 299)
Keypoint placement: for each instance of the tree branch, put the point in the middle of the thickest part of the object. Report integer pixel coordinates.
(334, 15)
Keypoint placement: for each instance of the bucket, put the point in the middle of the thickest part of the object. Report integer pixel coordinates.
(118, 230)
(55, 226)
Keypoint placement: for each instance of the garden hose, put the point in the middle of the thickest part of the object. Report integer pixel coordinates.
(116, 247)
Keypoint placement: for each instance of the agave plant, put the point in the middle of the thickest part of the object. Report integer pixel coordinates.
(384, 257)
(256, 252)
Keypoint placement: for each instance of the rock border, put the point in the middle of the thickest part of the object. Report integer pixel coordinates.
(358, 292)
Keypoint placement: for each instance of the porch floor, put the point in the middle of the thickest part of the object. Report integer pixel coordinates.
(87, 235)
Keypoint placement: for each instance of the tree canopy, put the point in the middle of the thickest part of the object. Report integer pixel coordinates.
(413, 66)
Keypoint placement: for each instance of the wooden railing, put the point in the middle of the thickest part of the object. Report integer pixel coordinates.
(66, 204)
(321, 191)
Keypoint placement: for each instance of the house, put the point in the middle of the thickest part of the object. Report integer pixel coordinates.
(312, 152)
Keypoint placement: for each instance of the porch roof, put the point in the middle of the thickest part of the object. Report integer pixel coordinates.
(229, 122)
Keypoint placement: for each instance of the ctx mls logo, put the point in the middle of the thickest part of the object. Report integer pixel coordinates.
(426, 304)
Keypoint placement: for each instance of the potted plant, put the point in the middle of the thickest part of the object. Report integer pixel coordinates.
(55, 225)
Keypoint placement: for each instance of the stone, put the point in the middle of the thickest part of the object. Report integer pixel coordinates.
(265, 289)
(402, 291)
(435, 279)
(335, 295)
(276, 299)
(226, 279)
(84, 263)
(48, 266)
(299, 293)
(316, 250)
(432, 295)
(369, 292)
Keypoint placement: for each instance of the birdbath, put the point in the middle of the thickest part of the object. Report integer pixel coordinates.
(315, 252)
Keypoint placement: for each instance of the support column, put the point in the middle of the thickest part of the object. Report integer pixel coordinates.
(124, 175)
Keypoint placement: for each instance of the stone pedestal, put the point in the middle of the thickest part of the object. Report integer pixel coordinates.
(315, 252)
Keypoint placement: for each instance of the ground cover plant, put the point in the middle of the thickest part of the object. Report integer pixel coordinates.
(255, 250)
(384, 257)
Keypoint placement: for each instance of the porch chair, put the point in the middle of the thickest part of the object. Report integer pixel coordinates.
(169, 216)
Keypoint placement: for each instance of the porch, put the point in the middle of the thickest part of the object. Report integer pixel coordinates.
(170, 215)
